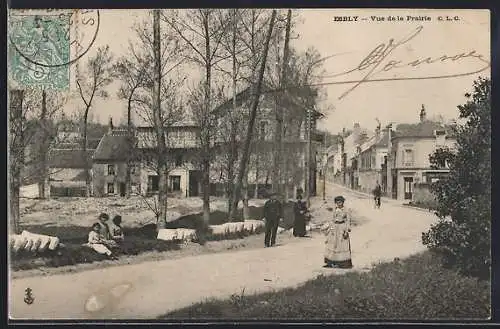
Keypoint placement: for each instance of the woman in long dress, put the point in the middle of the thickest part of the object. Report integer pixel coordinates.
(338, 245)
(299, 223)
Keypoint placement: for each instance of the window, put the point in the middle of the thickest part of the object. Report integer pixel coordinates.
(175, 183)
(153, 183)
(111, 188)
(111, 170)
(407, 158)
(133, 169)
(263, 125)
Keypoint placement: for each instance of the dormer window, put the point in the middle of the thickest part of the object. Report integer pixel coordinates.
(439, 133)
(440, 137)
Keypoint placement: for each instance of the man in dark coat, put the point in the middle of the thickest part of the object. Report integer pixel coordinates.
(273, 212)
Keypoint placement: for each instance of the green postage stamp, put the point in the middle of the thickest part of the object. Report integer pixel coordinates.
(39, 50)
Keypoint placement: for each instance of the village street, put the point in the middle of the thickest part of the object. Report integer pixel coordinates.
(147, 290)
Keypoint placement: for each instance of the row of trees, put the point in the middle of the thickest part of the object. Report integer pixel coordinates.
(231, 49)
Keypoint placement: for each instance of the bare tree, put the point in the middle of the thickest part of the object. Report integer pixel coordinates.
(157, 55)
(202, 31)
(45, 106)
(250, 128)
(131, 70)
(98, 77)
(17, 140)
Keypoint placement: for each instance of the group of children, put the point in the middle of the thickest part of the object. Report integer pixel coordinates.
(104, 237)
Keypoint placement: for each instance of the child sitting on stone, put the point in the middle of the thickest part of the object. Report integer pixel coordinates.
(96, 242)
(116, 229)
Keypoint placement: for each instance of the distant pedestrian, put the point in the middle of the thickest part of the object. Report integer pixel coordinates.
(273, 212)
(299, 223)
(377, 194)
(96, 242)
(338, 245)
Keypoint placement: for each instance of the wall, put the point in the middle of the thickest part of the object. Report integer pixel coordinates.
(100, 178)
(422, 148)
(179, 137)
(180, 171)
(368, 179)
(423, 195)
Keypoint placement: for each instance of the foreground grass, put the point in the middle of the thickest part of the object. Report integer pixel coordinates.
(417, 288)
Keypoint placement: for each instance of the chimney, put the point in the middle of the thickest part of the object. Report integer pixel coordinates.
(422, 114)
(110, 127)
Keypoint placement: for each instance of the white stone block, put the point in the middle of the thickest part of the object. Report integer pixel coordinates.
(36, 244)
(54, 242)
(166, 234)
(218, 229)
(29, 244)
(19, 243)
(44, 243)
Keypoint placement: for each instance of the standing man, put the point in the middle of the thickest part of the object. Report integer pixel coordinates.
(377, 194)
(273, 212)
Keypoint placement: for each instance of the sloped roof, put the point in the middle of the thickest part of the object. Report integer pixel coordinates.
(421, 129)
(114, 147)
(383, 140)
(245, 94)
(69, 159)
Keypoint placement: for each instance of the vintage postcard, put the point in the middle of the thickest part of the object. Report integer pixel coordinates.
(271, 164)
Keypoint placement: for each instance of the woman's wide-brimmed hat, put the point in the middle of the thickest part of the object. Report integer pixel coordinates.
(339, 198)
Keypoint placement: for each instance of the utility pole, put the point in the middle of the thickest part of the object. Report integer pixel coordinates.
(389, 161)
(308, 157)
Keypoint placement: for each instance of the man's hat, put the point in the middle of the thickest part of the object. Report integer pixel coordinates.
(339, 198)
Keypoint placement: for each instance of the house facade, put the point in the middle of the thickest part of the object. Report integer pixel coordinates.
(184, 177)
(372, 160)
(410, 147)
(117, 152)
(114, 154)
(295, 143)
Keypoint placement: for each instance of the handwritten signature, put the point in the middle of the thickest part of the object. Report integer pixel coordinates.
(378, 62)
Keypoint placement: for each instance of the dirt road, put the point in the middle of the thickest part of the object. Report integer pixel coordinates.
(146, 290)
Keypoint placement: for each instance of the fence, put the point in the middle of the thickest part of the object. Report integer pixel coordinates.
(74, 191)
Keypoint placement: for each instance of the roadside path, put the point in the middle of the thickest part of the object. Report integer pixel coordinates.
(147, 290)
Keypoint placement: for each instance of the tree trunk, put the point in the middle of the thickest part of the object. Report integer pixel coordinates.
(232, 141)
(257, 158)
(244, 191)
(16, 156)
(131, 146)
(284, 84)
(160, 133)
(251, 122)
(44, 148)
(207, 120)
(84, 151)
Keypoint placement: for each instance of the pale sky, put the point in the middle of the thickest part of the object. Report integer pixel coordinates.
(389, 101)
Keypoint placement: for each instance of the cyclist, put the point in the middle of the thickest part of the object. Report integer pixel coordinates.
(377, 193)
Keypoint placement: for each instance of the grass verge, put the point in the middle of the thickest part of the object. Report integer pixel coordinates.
(138, 240)
(417, 288)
